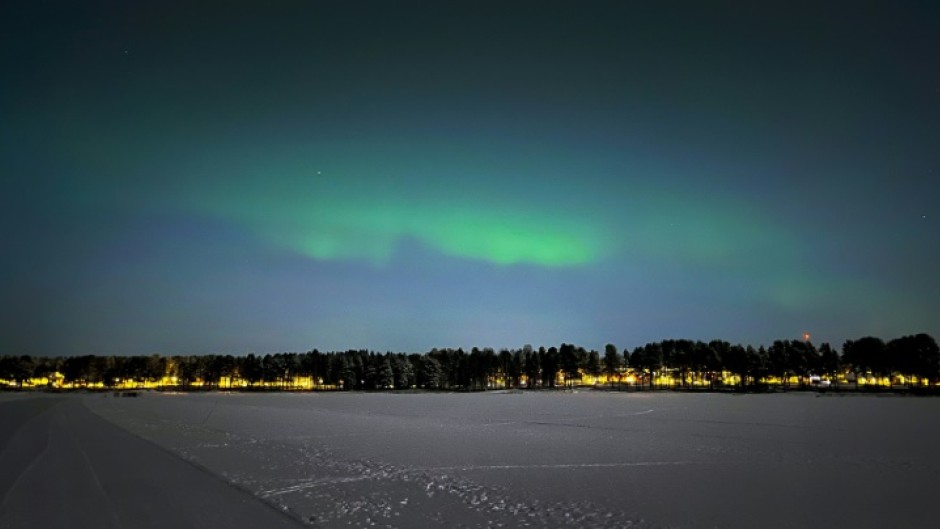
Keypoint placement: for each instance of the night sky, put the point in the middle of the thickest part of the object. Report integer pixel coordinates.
(215, 177)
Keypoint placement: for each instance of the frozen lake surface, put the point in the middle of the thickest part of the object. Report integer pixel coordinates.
(63, 467)
(554, 459)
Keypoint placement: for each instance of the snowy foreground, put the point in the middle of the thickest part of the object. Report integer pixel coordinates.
(62, 467)
(541, 459)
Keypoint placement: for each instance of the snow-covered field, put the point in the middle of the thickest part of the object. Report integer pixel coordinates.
(553, 459)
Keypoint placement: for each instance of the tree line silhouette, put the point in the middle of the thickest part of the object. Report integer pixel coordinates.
(906, 360)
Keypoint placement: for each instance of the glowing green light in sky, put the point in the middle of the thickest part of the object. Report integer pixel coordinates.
(327, 231)
(469, 210)
(329, 220)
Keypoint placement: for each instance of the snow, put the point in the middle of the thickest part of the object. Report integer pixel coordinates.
(555, 459)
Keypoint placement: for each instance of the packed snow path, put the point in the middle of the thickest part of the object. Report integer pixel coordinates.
(63, 467)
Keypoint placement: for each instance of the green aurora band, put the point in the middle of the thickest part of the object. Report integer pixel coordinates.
(343, 215)
(330, 230)
(327, 227)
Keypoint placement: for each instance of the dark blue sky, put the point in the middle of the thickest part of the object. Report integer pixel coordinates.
(199, 177)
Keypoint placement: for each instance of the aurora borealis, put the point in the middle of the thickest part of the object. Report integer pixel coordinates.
(200, 177)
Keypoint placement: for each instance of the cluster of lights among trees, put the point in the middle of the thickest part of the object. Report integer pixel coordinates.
(912, 361)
